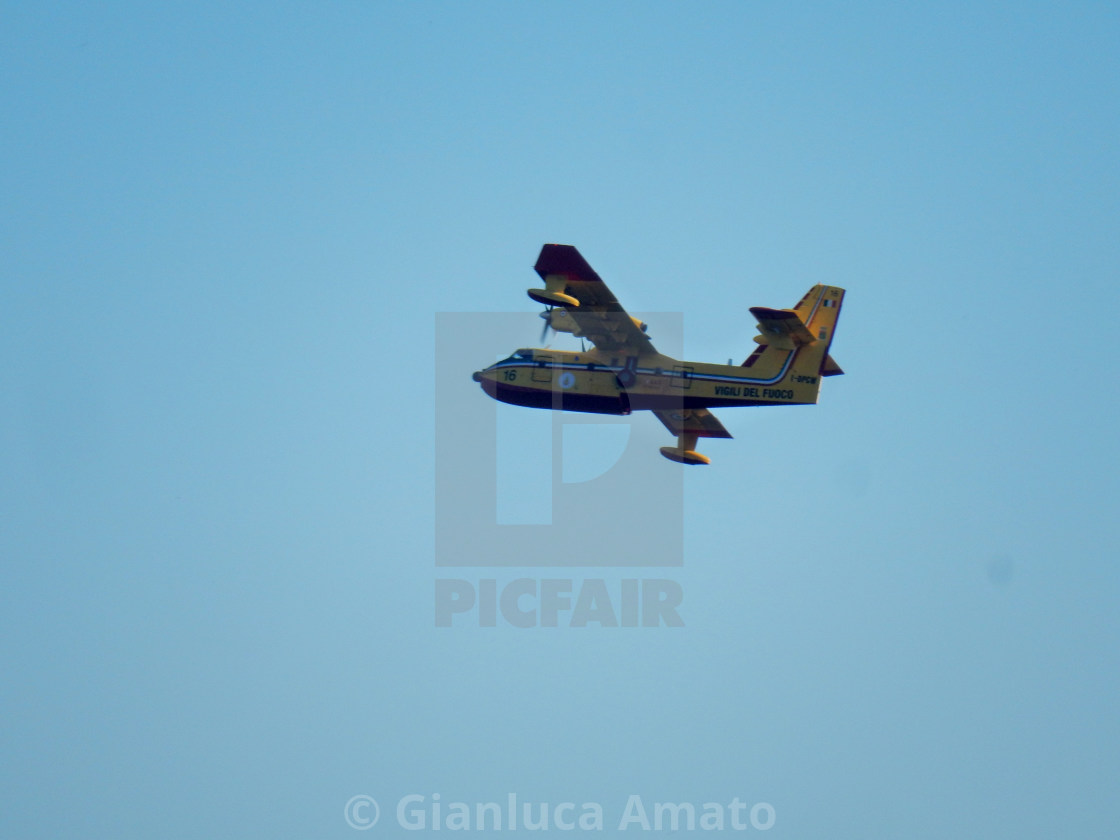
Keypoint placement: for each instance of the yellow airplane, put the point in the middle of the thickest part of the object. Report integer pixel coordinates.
(624, 373)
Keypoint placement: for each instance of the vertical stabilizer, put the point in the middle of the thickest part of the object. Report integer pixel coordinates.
(819, 310)
(805, 332)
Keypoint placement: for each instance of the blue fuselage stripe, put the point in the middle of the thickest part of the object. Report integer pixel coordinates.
(647, 371)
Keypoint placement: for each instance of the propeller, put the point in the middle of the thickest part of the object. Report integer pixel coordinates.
(547, 316)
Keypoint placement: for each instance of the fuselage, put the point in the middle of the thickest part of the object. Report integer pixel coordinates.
(598, 382)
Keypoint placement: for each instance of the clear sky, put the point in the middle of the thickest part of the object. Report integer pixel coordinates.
(227, 231)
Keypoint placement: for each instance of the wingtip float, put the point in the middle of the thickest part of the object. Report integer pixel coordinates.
(622, 372)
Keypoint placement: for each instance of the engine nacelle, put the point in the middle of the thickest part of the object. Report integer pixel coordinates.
(561, 321)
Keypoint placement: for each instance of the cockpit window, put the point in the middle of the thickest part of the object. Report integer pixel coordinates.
(524, 355)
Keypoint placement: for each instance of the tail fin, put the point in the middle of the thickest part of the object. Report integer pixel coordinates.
(805, 331)
(820, 310)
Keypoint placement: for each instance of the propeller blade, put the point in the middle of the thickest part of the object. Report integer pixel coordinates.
(547, 315)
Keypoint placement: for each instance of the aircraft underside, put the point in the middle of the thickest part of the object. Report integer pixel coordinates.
(622, 403)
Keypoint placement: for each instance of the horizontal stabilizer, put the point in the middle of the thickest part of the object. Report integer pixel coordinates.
(781, 328)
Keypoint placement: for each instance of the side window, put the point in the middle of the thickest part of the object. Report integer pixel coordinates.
(542, 370)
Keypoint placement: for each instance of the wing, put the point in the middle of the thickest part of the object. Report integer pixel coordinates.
(572, 284)
(692, 421)
(689, 425)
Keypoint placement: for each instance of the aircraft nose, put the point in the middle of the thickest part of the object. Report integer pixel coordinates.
(477, 376)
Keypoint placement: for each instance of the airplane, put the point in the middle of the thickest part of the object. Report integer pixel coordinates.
(623, 372)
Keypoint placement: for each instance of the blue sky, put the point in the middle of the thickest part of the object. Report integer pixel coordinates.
(228, 229)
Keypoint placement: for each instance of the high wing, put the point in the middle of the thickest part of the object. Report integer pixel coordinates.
(593, 310)
(692, 421)
(689, 425)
